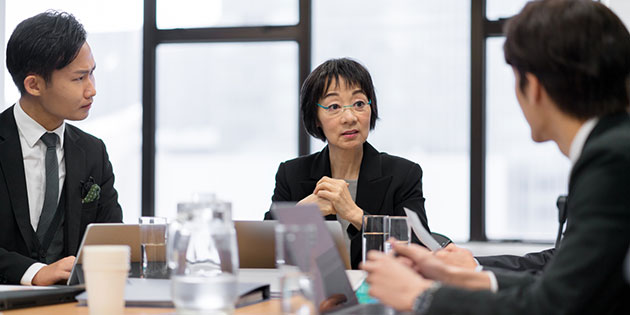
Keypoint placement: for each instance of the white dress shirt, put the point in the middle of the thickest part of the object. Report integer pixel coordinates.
(34, 154)
(575, 150)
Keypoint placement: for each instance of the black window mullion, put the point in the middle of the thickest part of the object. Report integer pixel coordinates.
(477, 121)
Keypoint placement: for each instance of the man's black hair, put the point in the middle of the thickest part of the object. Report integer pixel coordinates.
(43, 43)
(578, 49)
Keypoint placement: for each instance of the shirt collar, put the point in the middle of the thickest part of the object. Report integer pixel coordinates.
(32, 130)
(580, 139)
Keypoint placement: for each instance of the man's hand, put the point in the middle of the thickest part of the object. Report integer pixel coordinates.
(423, 261)
(457, 256)
(55, 272)
(392, 282)
(429, 266)
(324, 205)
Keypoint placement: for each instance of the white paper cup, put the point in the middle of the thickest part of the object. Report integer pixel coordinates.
(106, 268)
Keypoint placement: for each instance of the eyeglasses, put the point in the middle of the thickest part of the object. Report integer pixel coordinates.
(335, 109)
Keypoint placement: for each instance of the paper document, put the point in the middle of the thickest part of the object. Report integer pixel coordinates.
(422, 233)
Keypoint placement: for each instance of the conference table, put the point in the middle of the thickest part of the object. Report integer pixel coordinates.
(266, 307)
(271, 306)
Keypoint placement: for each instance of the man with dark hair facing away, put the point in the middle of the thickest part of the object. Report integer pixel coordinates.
(571, 61)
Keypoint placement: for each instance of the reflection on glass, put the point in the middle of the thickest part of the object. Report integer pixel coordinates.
(418, 53)
(211, 13)
(226, 118)
(523, 178)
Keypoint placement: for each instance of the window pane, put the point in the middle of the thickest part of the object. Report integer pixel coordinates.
(116, 115)
(209, 13)
(496, 9)
(523, 178)
(226, 117)
(418, 53)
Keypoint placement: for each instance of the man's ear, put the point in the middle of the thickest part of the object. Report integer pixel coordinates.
(34, 84)
(533, 90)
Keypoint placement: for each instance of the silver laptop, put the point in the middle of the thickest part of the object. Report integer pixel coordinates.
(108, 234)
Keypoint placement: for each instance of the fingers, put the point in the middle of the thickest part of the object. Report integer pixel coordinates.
(450, 247)
(64, 275)
(331, 184)
(372, 262)
(65, 264)
(405, 261)
(412, 251)
(327, 186)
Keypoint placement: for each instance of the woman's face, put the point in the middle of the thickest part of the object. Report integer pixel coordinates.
(348, 126)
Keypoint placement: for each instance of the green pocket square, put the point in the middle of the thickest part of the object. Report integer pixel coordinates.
(93, 194)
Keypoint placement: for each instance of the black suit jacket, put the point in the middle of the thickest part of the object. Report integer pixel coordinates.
(85, 156)
(585, 275)
(386, 184)
(533, 263)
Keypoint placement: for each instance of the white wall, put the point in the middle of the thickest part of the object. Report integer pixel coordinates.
(621, 8)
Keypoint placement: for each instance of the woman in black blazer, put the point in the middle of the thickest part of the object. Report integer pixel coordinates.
(348, 178)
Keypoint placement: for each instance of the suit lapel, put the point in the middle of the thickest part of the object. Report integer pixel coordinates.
(372, 185)
(75, 173)
(12, 164)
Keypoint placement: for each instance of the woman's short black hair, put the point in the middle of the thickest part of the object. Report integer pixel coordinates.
(317, 83)
(578, 49)
(43, 43)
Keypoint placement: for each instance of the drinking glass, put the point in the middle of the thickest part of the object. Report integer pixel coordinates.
(153, 247)
(203, 258)
(294, 243)
(375, 231)
(398, 229)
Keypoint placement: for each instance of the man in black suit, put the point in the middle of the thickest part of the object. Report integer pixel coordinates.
(54, 178)
(571, 61)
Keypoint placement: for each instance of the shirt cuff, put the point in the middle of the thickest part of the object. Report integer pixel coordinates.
(494, 285)
(27, 278)
(479, 266)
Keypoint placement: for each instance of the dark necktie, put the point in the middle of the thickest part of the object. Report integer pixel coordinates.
(51, 194)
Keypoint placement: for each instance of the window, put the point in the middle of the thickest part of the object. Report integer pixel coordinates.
(521, 190)
(496, 9)
(114, 34)
(214, 13)
(418, 53)
(226, 118)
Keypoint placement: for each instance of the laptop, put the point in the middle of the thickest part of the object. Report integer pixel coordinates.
(108, 234)
(257, 247)
(330, 280)
(17, 296)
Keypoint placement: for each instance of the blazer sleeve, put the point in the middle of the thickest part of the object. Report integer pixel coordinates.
(109, 210)
(13, 266)
(532, 262)
(411, 195)
(281, 192)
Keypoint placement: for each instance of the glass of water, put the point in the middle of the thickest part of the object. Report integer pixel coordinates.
(203, 258)
(398, 229)
(375, 231)
(153, 247)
